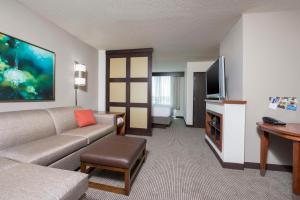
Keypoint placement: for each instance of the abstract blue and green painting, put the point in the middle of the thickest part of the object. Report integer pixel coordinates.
(26, 71)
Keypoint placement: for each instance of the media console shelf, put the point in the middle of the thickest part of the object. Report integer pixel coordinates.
(225, 131)
(214, 124)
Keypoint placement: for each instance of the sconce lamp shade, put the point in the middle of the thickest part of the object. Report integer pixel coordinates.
(80, 81)
(80, 78)
(79, 67)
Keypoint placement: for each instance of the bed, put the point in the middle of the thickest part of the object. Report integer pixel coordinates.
(161, 115)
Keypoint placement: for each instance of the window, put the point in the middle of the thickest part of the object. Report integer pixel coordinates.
(161, 90)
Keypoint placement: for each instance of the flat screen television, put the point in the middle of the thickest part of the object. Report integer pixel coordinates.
(215, 80)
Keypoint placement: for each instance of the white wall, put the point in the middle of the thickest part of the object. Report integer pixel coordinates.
(19, 21)
(189, 86)
(102, 80)
(232, 48)
(156, 68)
(271, 68)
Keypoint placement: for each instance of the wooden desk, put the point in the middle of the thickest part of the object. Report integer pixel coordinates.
(290, 132)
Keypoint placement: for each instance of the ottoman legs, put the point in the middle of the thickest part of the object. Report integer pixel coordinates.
(129, 174)
(127, 181)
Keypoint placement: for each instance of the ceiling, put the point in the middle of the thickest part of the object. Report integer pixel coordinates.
(178, 30)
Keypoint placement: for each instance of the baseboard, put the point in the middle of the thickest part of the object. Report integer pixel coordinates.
(226, 165)
(180, 117)
(272, 167)
(164, 126)
(138, 131)
(249, 165)
(187, 125)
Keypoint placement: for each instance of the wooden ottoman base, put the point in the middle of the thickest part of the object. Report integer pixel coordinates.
(129, 174)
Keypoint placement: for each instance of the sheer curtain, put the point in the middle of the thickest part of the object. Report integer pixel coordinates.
(166, 91)
(161, 90)
(175, 92)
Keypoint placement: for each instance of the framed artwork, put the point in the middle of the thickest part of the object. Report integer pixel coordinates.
(27, 72)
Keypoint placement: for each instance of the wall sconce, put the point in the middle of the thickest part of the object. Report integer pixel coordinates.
(79, 77)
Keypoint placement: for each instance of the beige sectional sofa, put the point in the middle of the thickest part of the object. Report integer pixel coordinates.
(22, 181)
(48, 137)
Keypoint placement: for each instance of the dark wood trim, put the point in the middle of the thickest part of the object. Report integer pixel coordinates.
(226, 165)
(249, 165)
(107, 83)
(180, 117)
(129, 51)
(272, 167)
(150, 92)
(174, 74)
(117, 104)
(140, 105)
(234, 102)
(127, 93)
(138, 79)
(140, 131)
(226, 101)
(117, 79)
(128, 79)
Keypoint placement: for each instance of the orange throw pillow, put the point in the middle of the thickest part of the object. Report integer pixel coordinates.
(84, 118)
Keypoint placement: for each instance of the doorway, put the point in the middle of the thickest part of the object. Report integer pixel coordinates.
(199, 94)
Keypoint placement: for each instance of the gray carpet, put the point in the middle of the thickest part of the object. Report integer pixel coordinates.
(180, 166)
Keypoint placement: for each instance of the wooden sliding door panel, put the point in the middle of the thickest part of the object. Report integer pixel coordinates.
(117, 92)
(128, 87)
(139, 67)
(117, 109)
(138, 117)
(117, 68)
(138, 92)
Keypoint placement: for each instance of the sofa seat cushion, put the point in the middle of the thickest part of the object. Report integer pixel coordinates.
(45, 151)
(91, 133)
(7, 163)
(33, 182)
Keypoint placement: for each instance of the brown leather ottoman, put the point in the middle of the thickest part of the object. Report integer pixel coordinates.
(115, 153)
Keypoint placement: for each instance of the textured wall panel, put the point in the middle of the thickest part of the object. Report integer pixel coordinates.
(117, 68)
(117, 92)
(138, 117)
(139, 67)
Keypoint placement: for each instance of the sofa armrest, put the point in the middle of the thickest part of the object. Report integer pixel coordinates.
(104, 118)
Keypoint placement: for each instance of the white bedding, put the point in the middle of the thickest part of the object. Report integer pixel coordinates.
(161, 111)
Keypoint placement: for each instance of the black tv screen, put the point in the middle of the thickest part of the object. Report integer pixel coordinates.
(212, 78)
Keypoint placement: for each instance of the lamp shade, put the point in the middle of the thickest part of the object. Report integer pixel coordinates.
(80, 77)
(79, 67)
(80, 81)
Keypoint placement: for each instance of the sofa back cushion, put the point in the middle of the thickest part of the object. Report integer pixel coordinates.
(64, 118)
(19, 127)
